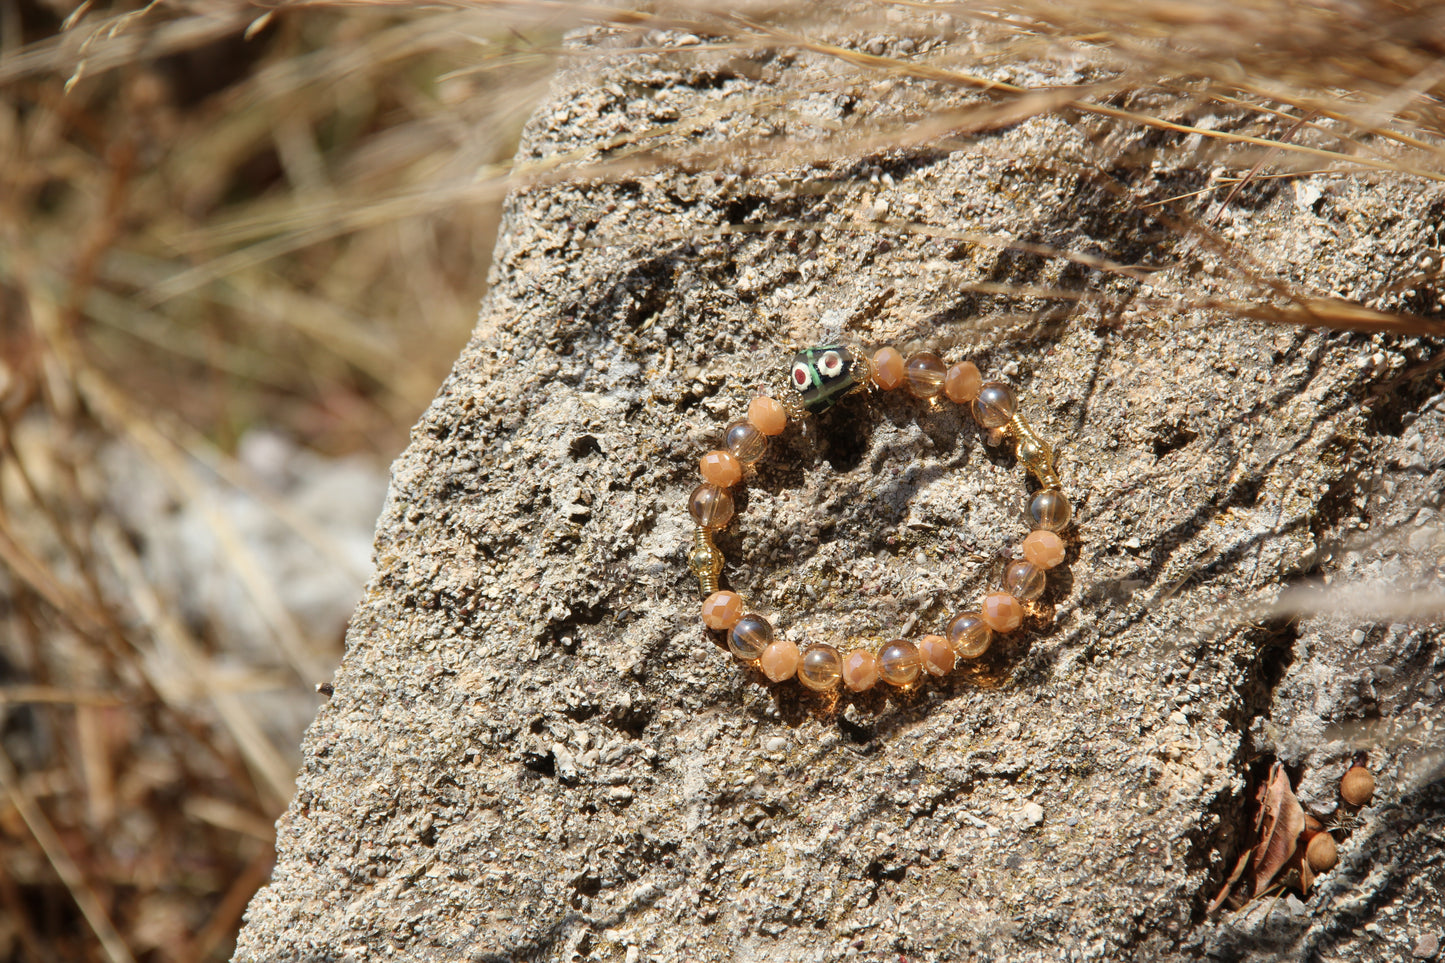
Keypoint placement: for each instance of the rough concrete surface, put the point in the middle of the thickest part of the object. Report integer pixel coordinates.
(536, 752)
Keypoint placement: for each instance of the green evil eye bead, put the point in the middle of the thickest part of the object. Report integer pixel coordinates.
(824, 374)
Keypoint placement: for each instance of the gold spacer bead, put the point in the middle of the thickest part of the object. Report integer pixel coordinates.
(1035, 453)
(705, 561)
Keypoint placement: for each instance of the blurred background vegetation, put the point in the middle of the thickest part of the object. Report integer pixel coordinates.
(239, 249)
(241, 244)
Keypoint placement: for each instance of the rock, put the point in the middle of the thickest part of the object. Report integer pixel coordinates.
(532, 605)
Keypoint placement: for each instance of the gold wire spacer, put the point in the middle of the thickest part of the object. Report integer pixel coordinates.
(1036, 454)
(705, 560)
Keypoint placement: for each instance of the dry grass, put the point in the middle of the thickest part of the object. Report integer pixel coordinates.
(217, 217)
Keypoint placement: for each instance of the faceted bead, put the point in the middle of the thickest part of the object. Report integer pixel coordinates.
(722, 610)
(1051, 511)
(821, 668)
(711, 506)
(767, 415)
(750, 637)
(1044, 548)
(888, 370)
(962, 382)
(720, 468)
(899, 663)
(860, 670)
(969, 635)
(779, 660)
(1024, 581)
(746, 442)
(925, 375)
(937, 657)
(995, 405)
(1002, 612)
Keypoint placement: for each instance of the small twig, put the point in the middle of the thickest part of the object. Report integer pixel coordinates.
(65, 867)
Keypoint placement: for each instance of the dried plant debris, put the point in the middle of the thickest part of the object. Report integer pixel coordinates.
(1289, 848)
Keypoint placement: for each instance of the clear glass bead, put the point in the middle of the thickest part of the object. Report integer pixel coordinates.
(925, 375)
(995, 405)
(711, 506)
(899, 663)
(1051, 511)
(750, 637)
(746, 442)
(822, 668)
(969, 635)
(1024, 581)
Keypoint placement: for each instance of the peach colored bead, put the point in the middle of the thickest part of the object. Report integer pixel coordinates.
(888, 370)
(768, 415)
(1044, 548)
(860, 670)
(937, 656)
(962, 382)
(1002, 612)
(779, 661)
(720, 468)
(722, 610)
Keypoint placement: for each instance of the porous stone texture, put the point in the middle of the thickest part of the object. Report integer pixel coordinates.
(535, 751)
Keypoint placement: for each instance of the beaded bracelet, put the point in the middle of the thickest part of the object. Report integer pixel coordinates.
(823, 375)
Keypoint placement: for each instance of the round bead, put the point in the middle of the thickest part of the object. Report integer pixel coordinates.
(1024, 581)
(1322, 852)
(937, 656)
(711, 506)
(888, 370)
(720, 468)
(722, 610)
(746, 442)
(995, 405)
(1002, 612)
(779, 660)
(860, 670)
(1050, 510)
(969, 635)
(962, 382)
(1357, 786)
(1044, 548)
(767, 415)
(899, 663)
(925, 375)
(750, 637)
(821, 668)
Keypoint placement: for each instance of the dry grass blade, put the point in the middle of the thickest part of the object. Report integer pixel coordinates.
(273, 769)
(65, 867)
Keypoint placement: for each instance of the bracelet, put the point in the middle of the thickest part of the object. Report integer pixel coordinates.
(821, 376)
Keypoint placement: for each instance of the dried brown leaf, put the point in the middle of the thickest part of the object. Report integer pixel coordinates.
(1284, 820)
(1228, 886)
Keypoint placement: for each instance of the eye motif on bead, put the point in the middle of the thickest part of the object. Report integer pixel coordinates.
(823, 374)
